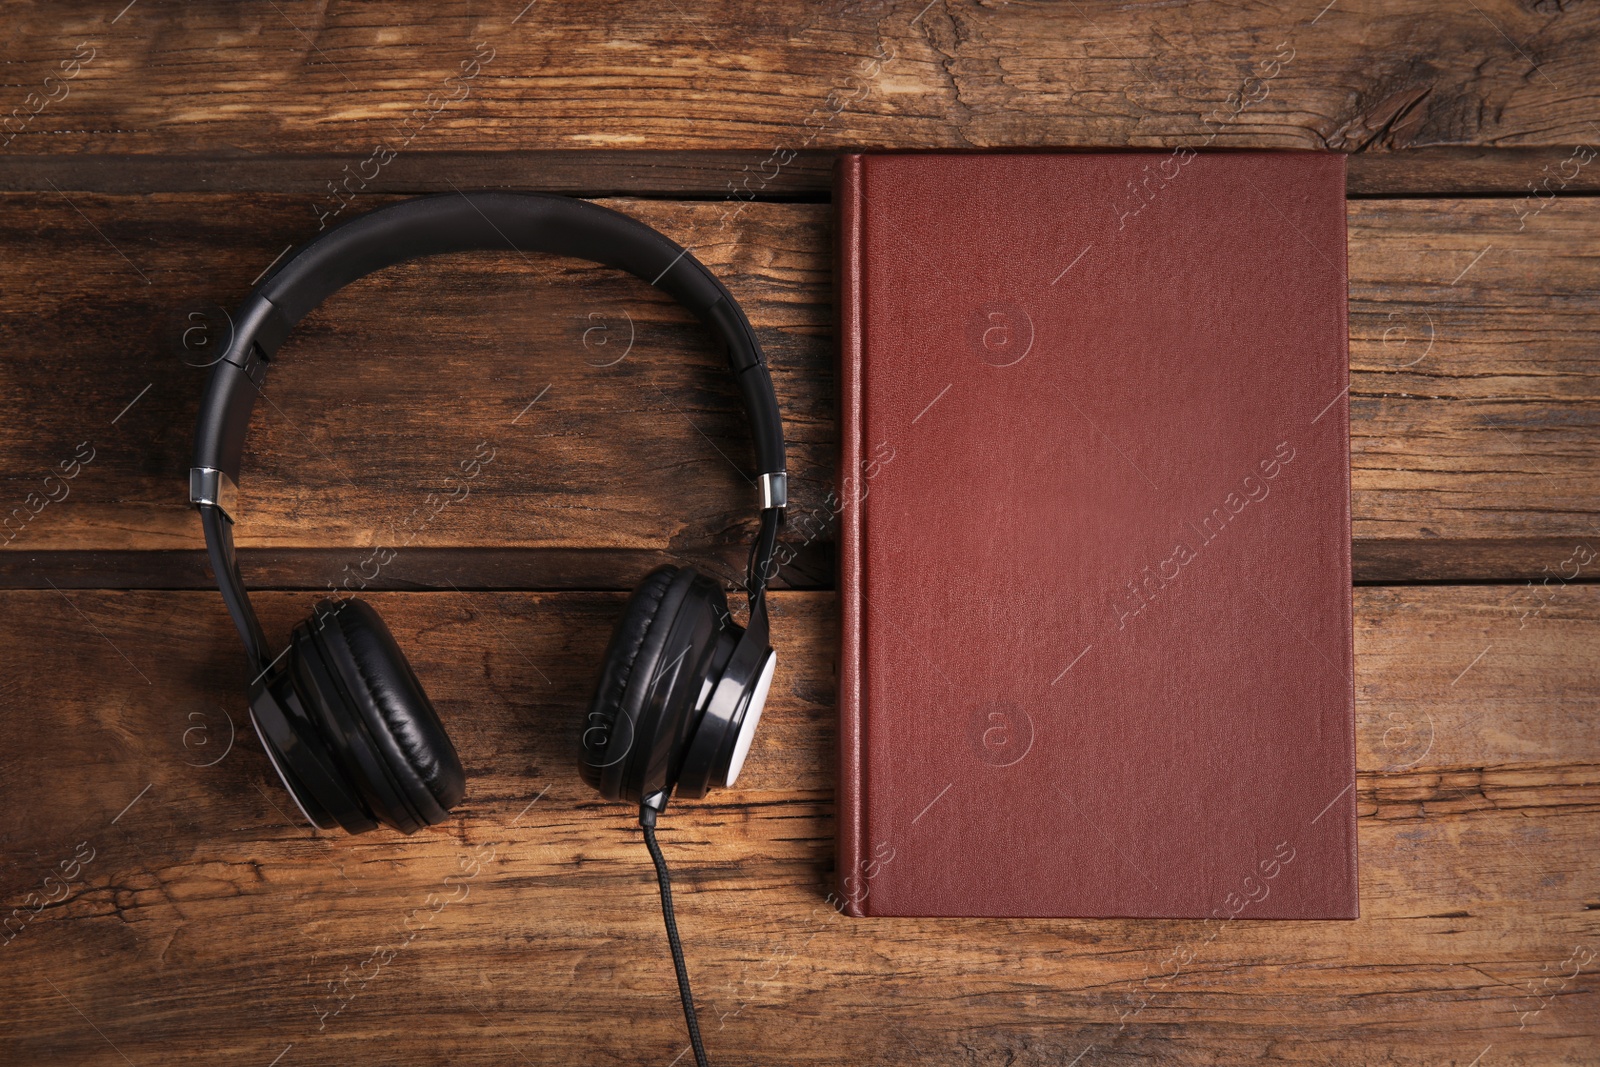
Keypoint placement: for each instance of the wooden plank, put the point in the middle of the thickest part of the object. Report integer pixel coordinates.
(414, 570)
(575, 375)
(1474, 391)
(737, 174)
(1473, 380)
(685, 173)
(1376, 562)
(448, 76)
(209, 922)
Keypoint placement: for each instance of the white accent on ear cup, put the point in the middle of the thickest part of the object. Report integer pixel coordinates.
(752, 717)
(272, 757)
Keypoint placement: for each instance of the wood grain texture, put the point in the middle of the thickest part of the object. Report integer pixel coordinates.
(1474, 393)
(414, 570)
(299, 76)
(1471, 327)
(140, 195)
(1450, 170)
(210, 925)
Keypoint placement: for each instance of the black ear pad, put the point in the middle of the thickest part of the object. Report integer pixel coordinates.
(605, 741)
(377, 715)
(653, 684)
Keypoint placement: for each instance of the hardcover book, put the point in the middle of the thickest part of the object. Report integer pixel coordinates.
(1094, 552)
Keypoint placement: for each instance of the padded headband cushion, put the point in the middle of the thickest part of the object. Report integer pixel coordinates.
(398, 714)
(487, 221)
(601, 726)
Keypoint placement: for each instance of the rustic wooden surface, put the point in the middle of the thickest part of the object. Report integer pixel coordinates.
(1475, 390)
(210, 920)
(304, 77)
(202, 923)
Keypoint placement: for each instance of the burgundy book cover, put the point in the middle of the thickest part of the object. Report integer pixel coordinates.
(1094, 508)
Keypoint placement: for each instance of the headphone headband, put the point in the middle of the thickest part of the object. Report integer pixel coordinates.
(472, 222)
(436, 225)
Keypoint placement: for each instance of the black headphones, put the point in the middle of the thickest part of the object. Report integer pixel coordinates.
(340, 713)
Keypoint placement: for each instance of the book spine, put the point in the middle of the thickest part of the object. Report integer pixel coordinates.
(1342, 319)
(848, 268)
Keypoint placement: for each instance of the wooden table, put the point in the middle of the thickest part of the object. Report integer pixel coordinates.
(162, 156)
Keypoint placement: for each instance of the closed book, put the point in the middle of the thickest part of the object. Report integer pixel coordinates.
(1094, 508)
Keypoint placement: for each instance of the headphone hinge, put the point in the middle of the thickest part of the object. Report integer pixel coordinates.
(265, 326)
(254, 366)
(774, 490)
(209, 486)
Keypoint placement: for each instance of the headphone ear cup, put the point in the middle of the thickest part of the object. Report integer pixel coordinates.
(287, 720)
(608, 736)
(377, 707)
(653, 684)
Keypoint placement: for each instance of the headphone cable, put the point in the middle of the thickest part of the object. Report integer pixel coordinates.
(647, 821)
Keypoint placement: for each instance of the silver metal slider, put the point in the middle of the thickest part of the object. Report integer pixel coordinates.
(207, 485)
(774, 491)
